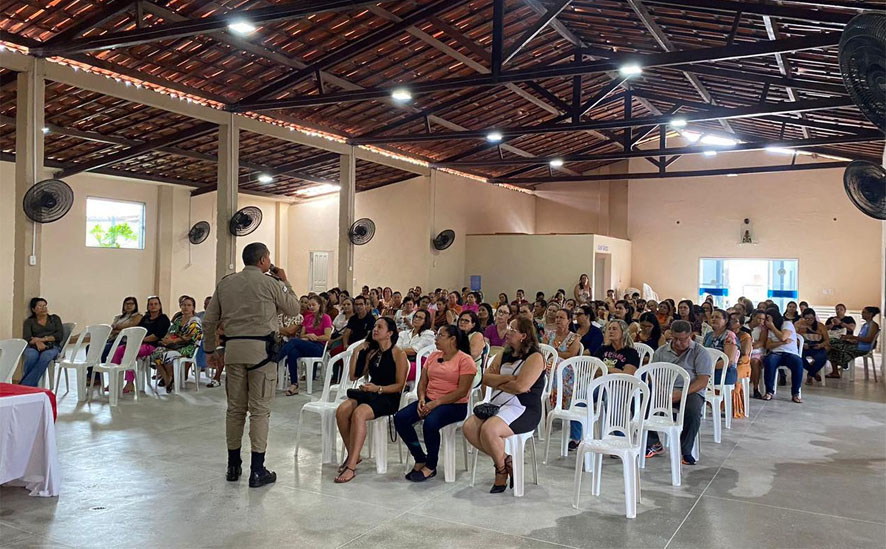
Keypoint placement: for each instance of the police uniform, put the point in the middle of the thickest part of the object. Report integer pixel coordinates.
(247, 304)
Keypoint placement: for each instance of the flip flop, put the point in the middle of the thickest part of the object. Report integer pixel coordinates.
(797, 399)
(340, 480)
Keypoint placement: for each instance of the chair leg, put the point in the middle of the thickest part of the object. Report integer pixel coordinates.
(113, 387)
(715, 413)
(630, 489)
(597, 474)
(474, 467)
(745, 391)
(548, 429)
(728, 401)
(643, 447)
(676, 458)
(298, 431)
(534, 461)
(577, 484)
(518, 463)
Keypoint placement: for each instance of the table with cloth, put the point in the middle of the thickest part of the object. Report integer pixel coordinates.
(28, 454)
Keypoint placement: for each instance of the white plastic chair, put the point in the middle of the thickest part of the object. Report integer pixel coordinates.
(584, 370)
(644, 351)
(134, 337)
(11, 351)
(550, 357)
(325, 407)
(179, 367)
(620, 405)
(515, 446)
(448, 444)
(661, 378)
(865, 359)
(49, 377)
(787, 371)
(308, 363)
(717, 393)
(410, 396)
(98, 335)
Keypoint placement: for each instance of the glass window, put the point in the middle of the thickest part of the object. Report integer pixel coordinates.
(115, 224)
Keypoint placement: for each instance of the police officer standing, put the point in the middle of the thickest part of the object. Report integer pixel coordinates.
(247, 304)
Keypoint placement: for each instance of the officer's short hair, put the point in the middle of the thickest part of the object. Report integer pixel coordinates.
(254, 253)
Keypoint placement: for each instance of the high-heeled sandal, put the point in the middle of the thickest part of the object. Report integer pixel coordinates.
(499, 488)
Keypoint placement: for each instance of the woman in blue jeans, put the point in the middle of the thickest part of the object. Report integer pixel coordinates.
(443, 389)
(722, 339)
(816, 344)
(44, 333)
(309, 341)
(783, 351)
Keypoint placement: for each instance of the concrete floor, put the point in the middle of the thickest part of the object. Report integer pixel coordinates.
(151, 472)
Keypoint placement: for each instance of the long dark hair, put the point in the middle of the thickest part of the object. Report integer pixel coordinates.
(777, 319)
(691, 311)
(811, 311)
(392, 327)
(123, 307)
(462, 343)
(426, 325)
(629, 311)
(491, 317)
(655, 335)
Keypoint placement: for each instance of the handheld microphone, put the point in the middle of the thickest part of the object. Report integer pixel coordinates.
(440, 360)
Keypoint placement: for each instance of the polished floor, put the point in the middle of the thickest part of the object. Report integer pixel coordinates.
(151, 473)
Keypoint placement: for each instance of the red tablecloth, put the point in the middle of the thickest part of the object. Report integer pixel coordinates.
(10, 389)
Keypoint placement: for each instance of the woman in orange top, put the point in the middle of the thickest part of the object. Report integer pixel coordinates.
(442, 399)
(743, 366)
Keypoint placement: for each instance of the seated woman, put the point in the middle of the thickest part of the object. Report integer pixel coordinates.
(308, 340)
(743, 367)
(549, 322)
(495, 333)
(783, 351)
(664, 314)
(181, 340)
(128, 317)
(44, 333)
(403, 314)
(453, 307)
(791, 313)
(707, 310)
(603, 314)
(517, 380)
(502, 300)
(582, 290)
(472, 302)
(848, 348)
(841, 322)
(625, 311)
(157, 325)
(347, 311)
(617, 351)
(589, 334)
(442, 400)
(468, 323)
(650, 331)
(722, 339)
(815, 345)
(416, 338)
(567, 344)
(759, 337)
(386, 366)
(685, 312)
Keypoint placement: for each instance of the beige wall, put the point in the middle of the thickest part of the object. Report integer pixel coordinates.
(620, 253)
(802, 215)
(7, 248)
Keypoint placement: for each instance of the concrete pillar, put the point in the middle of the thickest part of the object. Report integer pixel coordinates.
(346, 201)
(28, 171)
(166, 233)
(228, 184)
(281, 236)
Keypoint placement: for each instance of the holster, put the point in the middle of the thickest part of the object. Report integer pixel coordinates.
(273, 347)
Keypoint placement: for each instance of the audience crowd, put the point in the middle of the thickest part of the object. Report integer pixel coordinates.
(497, 346)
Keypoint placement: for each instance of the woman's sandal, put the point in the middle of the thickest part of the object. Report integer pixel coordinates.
(341, 480)
(213, 383)
(797, 399)
(343, 466)
(767, 396)
(509, 465)
(499, 488)
(292, 392)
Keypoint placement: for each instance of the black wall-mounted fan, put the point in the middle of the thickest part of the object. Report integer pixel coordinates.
(361, 231)
(199, 232)
(245, 221)
(48, 201)
(865, 183)
(863, 65)
(443, 240)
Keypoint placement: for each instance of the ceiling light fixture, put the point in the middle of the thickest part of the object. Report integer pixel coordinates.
(780, 150)
(718, 140)
(45, 130)
(241, 27)
(401, 94)
(630, 69)
(710, 153)
(678, 123)
(731, 175)
(494, 136)
(557, 163)
(265, 178)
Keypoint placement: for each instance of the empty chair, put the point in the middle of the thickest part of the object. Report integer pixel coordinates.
(10, 352)
(661, 378)
(325, 407)
(573, 376)
(620, 404)
(133, 336)
(67, 329)
(718, 393)
(643, 351)
(98, 335)
(179, 366)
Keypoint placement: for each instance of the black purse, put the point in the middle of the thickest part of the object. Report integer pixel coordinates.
(486, 410)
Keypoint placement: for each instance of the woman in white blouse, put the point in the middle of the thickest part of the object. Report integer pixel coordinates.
(419, 337)
(347, 310)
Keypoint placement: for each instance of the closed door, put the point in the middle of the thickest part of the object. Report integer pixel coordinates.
(319, 269)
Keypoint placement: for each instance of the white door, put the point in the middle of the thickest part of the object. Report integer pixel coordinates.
(319, 270)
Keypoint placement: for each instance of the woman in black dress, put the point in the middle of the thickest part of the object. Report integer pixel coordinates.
(517, 379)
(386, 366)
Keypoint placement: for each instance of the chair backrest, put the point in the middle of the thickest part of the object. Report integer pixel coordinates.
(10, 352)
(621, 402)
(801, 341)
(584, 370)
(644, 351)
(420, 357)
(661, 378)
(354, 345)
(342, 360)
(717, 356)
(342, 393)
(134, 336)
(581, 348)
(550, 356)
(98, 335)
(67, 330)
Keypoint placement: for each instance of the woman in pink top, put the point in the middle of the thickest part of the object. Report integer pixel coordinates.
(472, 302)
(308, 340)
(442, 399)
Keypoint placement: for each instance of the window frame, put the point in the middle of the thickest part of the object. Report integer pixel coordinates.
(141, 243)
